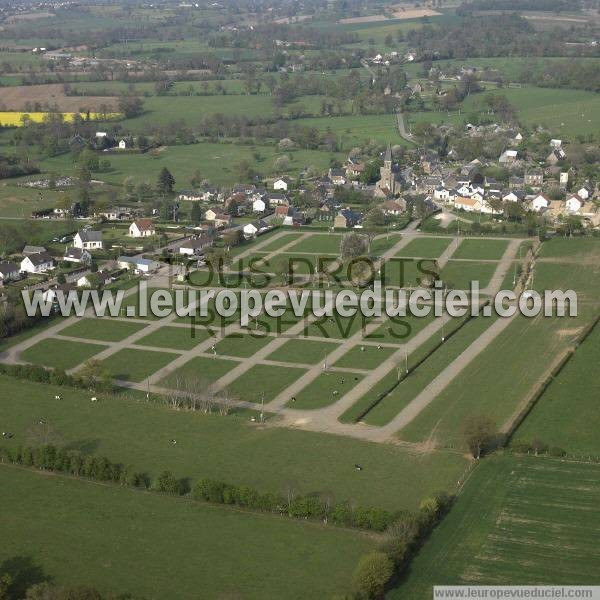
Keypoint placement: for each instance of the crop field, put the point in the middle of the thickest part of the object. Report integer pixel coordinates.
(511, 526)
(197, 543)
(127, 429)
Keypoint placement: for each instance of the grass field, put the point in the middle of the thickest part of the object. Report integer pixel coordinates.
(326, 389)
(198, 543)
(459, 275)
(324, 244)
(206, 368)
(519, 521)
(136, 365)
(264, 381)
(425, 247)
(60, 354)
(563, 111)
(216, 162)
(177, 338)
(232, 448)
(567, 413)
(308, 352)
(103, 330)
(481, 249)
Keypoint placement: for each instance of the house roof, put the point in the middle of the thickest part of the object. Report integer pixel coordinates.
(40, 258)
(135, 261)
(75, 252)
(33, 250)
(466, 201)
(90, 235)
(144, 224)
(6, 268)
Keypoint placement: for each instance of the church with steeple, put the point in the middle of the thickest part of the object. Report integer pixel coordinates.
(390, 180)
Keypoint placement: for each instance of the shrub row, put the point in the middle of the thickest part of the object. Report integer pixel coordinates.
(99, 468)
(309, 506)
(378, 570)
(58, 377)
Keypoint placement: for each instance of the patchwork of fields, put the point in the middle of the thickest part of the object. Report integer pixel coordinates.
(518, 521)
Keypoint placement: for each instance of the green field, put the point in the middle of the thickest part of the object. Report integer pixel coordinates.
(481, 249)
(519, 521)
(425, 247)
(177, 338)
(205, 368)
(230, 448)
(216, 162)
(327, 388)
(323, 244)
(264, 381)
(566, 415)
(308, 352)
(104, 330)
(199, 543)
(136, 365)
(60, 354)
(459, 275)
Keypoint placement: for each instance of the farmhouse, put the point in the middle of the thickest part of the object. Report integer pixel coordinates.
(142, 265)
(77, 255)
(88, 240)
(142, 228)
(37, 263)
(8, 271)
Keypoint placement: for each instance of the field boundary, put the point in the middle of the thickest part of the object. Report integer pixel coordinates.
(513, 424)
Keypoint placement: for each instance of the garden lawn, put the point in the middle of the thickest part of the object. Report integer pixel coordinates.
(136, 365)
(285, 239)
(264, 381)
(298, 350)
(458, 275)
(481, 249)
(198, 543)
(242, 345)
(320, 392)
(364, 357)
(425, 247)
(176, 338)
(60, 354)
(105, 330)
(319, 243)
(205, 368)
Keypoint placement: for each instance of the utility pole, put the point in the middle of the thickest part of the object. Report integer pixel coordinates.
(262, 407)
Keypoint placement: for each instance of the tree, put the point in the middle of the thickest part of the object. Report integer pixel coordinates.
(196, 213)
(375, 218)
(373, 572)
(478, 431)
(166, 181)
(60, 278)
(354, 245)
(94, 374)
(131, 105)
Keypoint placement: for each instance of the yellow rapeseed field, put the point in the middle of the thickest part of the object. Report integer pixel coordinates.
(16, 119)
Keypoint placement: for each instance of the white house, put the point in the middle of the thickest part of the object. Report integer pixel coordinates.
(555, 143)
(539, 202)
(441, 193)
(280, 184)
(259, 205)
(467, 204)
(252, 229)
(122, 145)
(585, 192)
(77, 255)
(508, 156)
(88, 240)
(513, 196)
(143, 265)
(142, 228)
(37, 263)
(195, 246)
(574, 203)
(190, 196)
(8, 270)
(277, 200)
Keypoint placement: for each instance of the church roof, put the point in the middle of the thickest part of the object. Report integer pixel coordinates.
(388, 154)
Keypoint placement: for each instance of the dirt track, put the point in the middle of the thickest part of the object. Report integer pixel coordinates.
(51, 95)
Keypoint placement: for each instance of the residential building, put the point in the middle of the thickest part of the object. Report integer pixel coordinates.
(142, 228)
(88, 240)
(37, 263)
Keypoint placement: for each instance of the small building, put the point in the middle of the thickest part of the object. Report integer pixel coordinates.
(190, 196)
(93, 280)
(195, 246)
(280, 184)
(556, 156)
(37, 263)
(508, 156)
(77, 255)
(585, 192)
(27, 250)
(253, 229)
(122, 145)
(574, 203)
(9, 271)
(539, 203)
(514, 196)
(141, 265)
(337, 176)
(534, 178)
(88, 240)
(259, 205)
(468, 204)
(347, 219)
(393, 207)
(142, 228)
